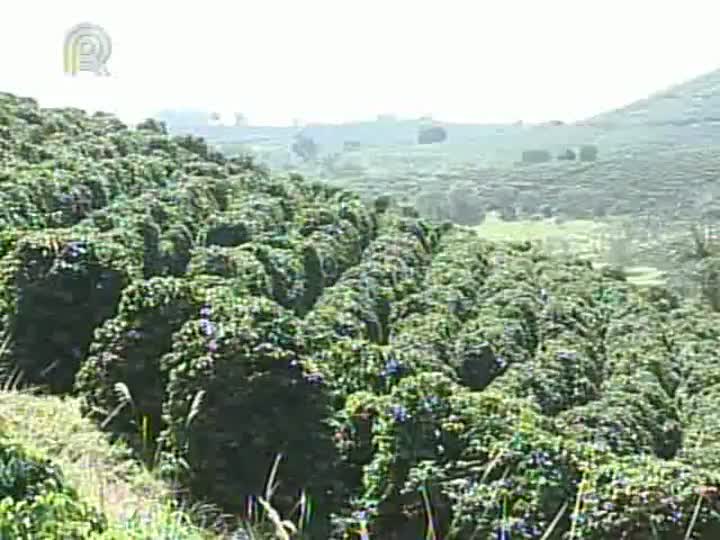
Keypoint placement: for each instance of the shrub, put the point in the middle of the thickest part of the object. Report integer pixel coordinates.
(470, 452)
(244, 358)
(127, 350)
(56, 289)
(35, 502)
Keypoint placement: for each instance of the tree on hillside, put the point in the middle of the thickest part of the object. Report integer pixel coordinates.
(305, 147)
(431, 135)
(588, 152)
(698, 263)
(536, 156)
(567, 155)
(151, 124)
(465, 206)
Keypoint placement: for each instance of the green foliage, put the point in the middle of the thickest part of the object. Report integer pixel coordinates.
(56, 289)
(245, 358)
(127, 349)
(35, 502)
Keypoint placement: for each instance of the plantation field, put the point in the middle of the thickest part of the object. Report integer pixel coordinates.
(417, 378)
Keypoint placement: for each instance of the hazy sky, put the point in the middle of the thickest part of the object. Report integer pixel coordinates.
(335, 60)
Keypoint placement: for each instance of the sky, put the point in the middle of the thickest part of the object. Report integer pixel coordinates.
(340, 60)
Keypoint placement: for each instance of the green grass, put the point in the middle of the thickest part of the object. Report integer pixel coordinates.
(585, 238)
(645, 275)
(136, 503)
(579, 233)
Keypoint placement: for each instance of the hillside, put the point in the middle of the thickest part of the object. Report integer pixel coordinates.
(693, 102)
(656, 172)
(417, 380)
(685, 114)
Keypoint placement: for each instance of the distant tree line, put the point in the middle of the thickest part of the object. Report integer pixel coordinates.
(586, 152)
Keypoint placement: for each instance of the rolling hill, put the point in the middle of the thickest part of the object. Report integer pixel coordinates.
(687, 113)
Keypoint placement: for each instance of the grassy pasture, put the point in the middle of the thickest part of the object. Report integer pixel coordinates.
(592, 239)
